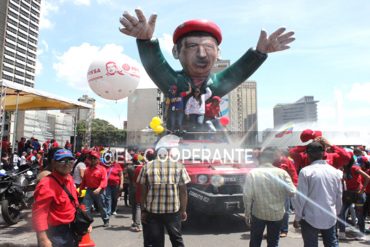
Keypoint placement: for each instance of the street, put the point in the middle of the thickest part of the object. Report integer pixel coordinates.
(199, 232)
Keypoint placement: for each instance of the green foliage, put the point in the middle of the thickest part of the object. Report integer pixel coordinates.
(102, 134)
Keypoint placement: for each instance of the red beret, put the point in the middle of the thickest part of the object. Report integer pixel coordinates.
(198, 26)
(308, 134)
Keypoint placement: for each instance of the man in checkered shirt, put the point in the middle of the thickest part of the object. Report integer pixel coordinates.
(164, 199)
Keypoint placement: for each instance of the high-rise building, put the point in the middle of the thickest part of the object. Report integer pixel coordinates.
(243, 107)
(143, 105)
(19, 31)
(240, 105)
(303, 110)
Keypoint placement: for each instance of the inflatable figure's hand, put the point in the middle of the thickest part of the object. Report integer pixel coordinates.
(277, 41)
(137, 26)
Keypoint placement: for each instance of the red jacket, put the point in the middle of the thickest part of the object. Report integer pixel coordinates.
(52, 206)
(288, 165)
(337, 158)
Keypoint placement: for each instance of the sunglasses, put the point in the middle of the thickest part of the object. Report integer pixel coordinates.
(65, 162)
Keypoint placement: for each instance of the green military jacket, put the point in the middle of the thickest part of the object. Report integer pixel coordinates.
(220, 83)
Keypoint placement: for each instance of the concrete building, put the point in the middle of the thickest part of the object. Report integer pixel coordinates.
(240, 105)
(19, 31)
(303, 110)
(143, 105)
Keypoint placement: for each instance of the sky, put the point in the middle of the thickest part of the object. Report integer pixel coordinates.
(330, 58)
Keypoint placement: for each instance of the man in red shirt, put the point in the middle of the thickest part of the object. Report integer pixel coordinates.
(95, 182)
(334, 155)
(115, 183)
(354, 193)
(53, 211)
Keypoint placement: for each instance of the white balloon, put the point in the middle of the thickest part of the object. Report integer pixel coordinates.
(113, 78)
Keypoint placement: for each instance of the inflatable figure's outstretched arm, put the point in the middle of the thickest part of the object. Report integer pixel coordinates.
(138, 26)
(277, 41)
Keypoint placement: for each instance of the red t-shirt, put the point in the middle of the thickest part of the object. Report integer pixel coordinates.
(114, 172)
(367, 190)
(355, 183)
(5, 146)
(138, 185)
(288, 165)
(338, 158)
(94, 177)
(52, 206)
(212, 111)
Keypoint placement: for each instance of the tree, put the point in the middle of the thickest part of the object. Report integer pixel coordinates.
(102, 134)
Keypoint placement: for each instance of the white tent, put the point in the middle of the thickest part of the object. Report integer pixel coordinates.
(288, 135)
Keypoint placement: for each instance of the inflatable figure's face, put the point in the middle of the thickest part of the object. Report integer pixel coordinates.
(197, 55)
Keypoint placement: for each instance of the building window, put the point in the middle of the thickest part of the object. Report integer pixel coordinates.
(18, 81)
(11, 29)
(9, 61)
(20, 58)
(10, 45)
(7, 77)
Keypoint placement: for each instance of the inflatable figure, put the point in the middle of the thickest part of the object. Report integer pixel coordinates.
(196, 46)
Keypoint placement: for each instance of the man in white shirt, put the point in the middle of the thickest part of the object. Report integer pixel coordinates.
(319, 199)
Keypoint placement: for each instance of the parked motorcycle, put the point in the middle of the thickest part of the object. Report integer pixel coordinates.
(16, 192)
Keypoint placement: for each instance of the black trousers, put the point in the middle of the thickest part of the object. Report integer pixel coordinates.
(62, 236)
(153, 230)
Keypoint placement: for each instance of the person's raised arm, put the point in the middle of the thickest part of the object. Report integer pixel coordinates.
(138, 26)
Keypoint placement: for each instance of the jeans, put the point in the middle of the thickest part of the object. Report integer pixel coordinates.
(62, 236)
(311, 239)
(110, 199)
(153, 230)
(196, 121)
(359, 206)
(285, 224)
(99, 199)
(257, 228)
(175, 119)
(135, 206)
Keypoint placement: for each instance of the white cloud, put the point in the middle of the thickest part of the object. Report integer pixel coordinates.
(359, 92)
(82, 2)
(105, 1)
(48, 8)
(145, 81)
(72, 65)
(166, 43)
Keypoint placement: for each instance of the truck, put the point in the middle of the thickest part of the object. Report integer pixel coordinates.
(217, 170)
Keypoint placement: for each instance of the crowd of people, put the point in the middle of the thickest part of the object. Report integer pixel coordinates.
(319, 182)
(324, 185)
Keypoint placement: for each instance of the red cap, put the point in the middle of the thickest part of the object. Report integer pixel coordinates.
(217, 98)
(136, 157)
(95, 154)
(308, 134)
(174, 87)
(198, 26)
